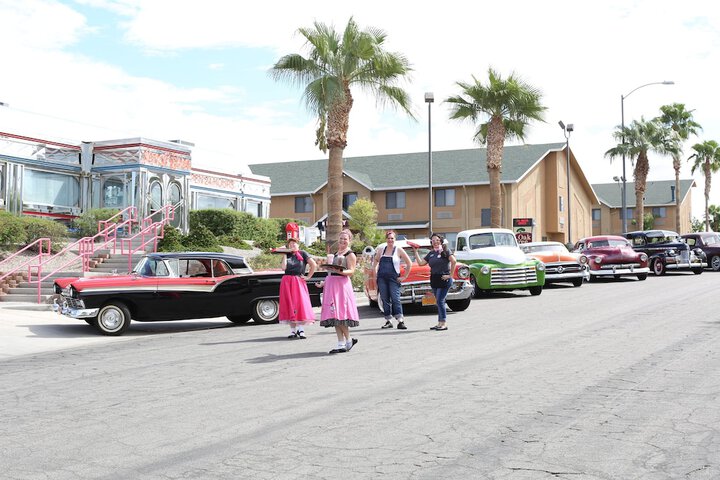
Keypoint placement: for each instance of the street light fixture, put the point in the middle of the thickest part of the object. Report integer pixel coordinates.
(429, 99)
(623, 213)
(567, 129)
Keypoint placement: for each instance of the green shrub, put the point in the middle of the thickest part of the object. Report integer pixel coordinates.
(36, 228)
(219, 221)
(12, 231)
(87, 223)
(172, 241)
(234, 241)
(201, 239)
(265, 261)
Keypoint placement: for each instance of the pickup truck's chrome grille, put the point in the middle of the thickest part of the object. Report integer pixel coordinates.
(512, 276)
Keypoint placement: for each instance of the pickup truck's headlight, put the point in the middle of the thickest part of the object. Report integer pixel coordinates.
(540, 266)
(485, 270)
(463, 272)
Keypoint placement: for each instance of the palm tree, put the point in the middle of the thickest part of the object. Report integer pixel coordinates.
(714, 212)
(707, 157)
(636, 141)
(505, 107)
(683, 125)
(334, 64)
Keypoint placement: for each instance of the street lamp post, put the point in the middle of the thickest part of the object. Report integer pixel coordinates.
(567, 129)
(622, 125)
(429, 99)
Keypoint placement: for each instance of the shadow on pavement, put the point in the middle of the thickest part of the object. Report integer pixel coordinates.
(292, 356)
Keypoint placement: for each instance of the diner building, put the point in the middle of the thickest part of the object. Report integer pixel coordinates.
(62, 180)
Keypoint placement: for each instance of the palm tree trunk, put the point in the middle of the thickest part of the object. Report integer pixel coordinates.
(676, 166)
(708, 176)
(338, 126)
(496, 143)
(641, 172)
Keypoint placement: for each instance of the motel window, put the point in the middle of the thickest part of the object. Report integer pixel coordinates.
(349, 199)
(561, 204)
(210, 201)
(630, 213)
(395, 200)
(485, 217)
(445, 197)
(51, 189)
(303, 204)
(596, 214)
(659, 212)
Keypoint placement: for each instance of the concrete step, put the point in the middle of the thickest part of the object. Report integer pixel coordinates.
(25, 298)
(30, 290)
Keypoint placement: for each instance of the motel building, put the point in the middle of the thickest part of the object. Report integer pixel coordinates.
(61, 180)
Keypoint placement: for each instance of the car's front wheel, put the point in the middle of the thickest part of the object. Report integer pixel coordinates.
(697, 271)
(535, 290)
(658, 267)
(113, 319)
(715, 263)
(577, 282)
(239, 319)
(459, 305)
(476, 291)
(642, 276)
(266, 311)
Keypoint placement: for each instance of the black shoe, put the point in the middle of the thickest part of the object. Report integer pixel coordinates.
(293, 335)
(301, 335)
(401, 325)
(388, 324)
(352, 344)
(338, 350)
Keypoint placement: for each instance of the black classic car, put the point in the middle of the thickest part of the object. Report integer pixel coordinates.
(709, 243)
(176, 286)
(667, 251)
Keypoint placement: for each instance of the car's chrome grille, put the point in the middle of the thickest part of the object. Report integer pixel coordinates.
(422, 288)
(619, 266)
(685, 256)
(73, 302)
(563, 268)
(512, 276)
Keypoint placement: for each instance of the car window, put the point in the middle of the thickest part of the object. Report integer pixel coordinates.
(151, 267)
(193, 267)
(617, 243)
(712, 240)
(481, 240)
(422, 251)
(220, 268)
(637, 241)
(505, 240)
(691, 241)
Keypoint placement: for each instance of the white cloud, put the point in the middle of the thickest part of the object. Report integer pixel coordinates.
(582, 56)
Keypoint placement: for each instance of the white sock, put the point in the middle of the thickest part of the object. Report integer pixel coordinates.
(300, 330)
(292, 330)
(341, 344)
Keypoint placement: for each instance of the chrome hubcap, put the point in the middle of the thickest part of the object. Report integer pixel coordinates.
(111, 319)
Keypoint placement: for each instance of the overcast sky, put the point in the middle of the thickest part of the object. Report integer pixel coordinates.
(90, 70)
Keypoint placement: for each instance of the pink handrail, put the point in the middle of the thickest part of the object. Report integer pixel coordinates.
(168, 213)
(132, 210)
(40, 242)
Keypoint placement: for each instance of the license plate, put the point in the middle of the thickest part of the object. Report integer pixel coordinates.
(428, 299)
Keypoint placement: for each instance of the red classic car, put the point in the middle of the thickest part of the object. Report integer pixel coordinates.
(176, 286)
(417, 284)
(612, 256)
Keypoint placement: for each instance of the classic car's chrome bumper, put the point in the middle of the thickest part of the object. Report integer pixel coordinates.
(608, 271)
(77, 310)
(413, 292)
(559, 277)
(685, 265)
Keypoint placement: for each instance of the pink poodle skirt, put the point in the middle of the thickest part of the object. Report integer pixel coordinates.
(295, 303)
(338, 303)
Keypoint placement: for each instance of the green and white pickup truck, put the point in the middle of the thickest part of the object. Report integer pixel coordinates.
(497, 263)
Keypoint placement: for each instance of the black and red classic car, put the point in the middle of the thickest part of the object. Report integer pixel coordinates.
(176, 286)
(612, 256)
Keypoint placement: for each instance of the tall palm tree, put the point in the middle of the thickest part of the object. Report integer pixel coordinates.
(707, 157)
(334, 64)
(681, 122)
(636, 141)
(505, 107)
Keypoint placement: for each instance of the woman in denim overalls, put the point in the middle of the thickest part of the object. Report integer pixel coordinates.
(389, 279)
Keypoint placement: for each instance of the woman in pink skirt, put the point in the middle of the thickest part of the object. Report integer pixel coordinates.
(295, 306)
(339, 309)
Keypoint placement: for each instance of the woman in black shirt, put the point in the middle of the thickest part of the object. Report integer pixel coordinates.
(442, 264)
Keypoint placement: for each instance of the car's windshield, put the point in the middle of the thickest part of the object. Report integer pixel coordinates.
(151, 267)
(492, 239)
(712, 239)
(543, 248)
(607, 243)
(663, 238)
(422, 251)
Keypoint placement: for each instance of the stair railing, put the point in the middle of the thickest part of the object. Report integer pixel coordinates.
(44, 249)
(151, 229)
(111, 226)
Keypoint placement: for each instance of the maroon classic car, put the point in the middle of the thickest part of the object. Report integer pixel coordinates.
(612, 256)
(176, 286)
(708, 242)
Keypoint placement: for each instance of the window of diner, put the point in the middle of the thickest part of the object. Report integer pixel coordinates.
(253, 208)
(175, 192)
(205, 201)
(394, 200)
(445, 197)
(2, 183)
(303, 204)
(51, 189)
(114, 194)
